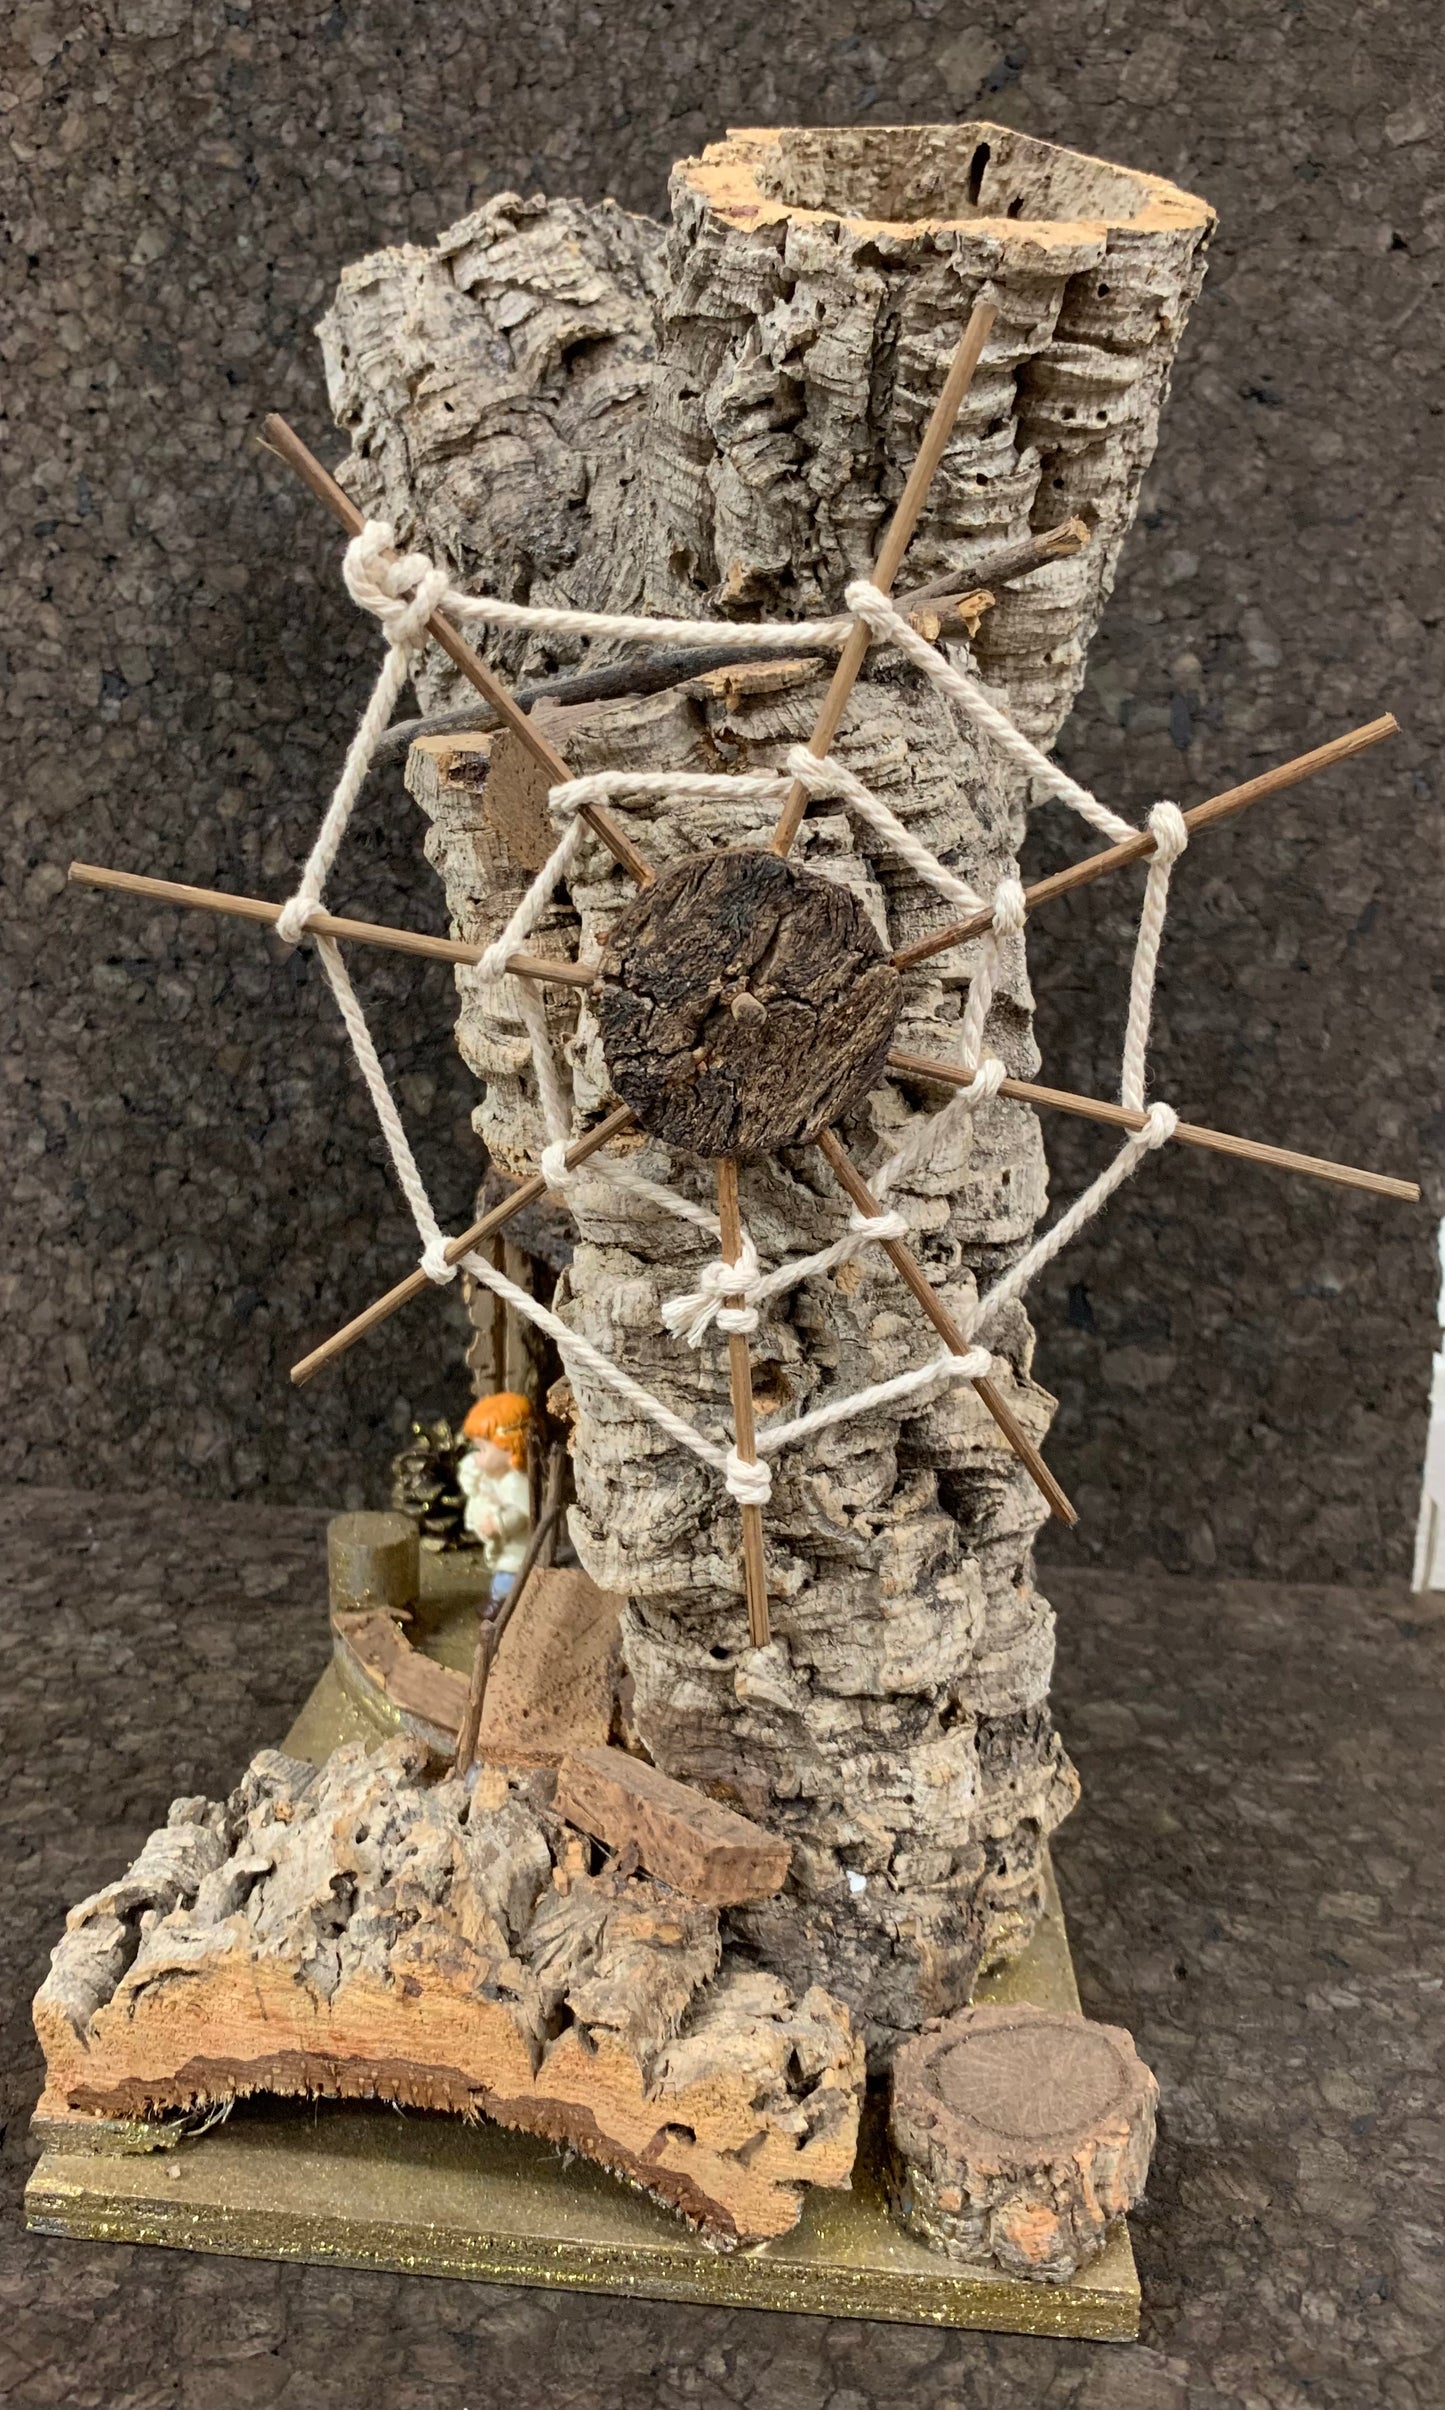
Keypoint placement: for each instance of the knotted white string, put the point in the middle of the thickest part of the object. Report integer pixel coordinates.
(1170, 832)
(750, 1484)
(403, 593)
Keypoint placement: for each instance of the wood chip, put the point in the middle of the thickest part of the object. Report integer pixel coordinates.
(681, 1836)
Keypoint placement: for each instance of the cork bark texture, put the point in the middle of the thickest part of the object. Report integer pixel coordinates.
(370, 1932)
(1242, 1363)
(712, 420)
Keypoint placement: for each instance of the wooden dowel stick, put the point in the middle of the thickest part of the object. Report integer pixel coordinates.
(740, 1373)
(416, 1282)
(911, 1272)
(652, 671)
(493, 1625)
(890, 557)
(327, 924)
(1136, 849)
(287, 445)
(1188, 1133)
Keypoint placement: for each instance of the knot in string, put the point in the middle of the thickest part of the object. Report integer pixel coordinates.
(434, 1260)
(401, 591)
(1010, 907)
(985, 1084)
(692, 1315)
(868, 603)
(552, 1163)
(750, 1484)
(975, 1365)
(1160, 1124)
(1169, 830)
(826, 777)
(565, 800)
(888, 1224)
(294, 914)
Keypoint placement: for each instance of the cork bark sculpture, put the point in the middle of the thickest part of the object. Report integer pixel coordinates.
(729, 914)
(366, 1931)
(570, 405)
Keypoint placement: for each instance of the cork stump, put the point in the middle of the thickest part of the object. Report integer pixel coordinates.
(1019, 2136)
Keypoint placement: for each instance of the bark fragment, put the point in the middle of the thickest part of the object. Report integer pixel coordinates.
(364, 1932)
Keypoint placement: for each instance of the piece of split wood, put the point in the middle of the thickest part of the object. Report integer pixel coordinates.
(681, 1836)
(551, 1688)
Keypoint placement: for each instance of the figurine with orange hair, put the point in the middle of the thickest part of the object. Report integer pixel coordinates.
(492, 1476)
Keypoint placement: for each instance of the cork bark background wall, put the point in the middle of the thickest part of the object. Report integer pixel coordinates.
(196, 1185)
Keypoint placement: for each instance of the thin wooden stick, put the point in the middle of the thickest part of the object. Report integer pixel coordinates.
(287, 445)
(906, 1264)
(492, 1626)
(740, 1373)
(1136, 849)
(327, 924)
(890, 557)
(416, 1282)
(1188, 1133)
(1006, 562)
(675, 665)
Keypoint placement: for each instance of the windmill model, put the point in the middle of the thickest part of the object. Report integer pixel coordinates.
(745, 1006)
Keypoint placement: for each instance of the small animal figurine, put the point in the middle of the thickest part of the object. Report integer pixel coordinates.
(492, 1476)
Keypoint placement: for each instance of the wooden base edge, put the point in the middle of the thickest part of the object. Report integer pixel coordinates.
(358, 2186)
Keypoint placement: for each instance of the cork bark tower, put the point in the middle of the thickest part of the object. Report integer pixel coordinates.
(572, 405)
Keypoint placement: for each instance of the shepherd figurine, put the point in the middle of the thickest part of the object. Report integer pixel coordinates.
(493, 1479)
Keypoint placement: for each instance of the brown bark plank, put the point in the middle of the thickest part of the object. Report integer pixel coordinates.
(681, 1836)
(382, 1656)
(551, 1688)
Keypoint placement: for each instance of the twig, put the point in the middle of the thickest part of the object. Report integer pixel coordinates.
(327, 924)
(492, 1626)
(652, 673)
(288, 446)
(1136, 849)
(911, 1272)
(417, 1282)
(740, 1371)
(1005, 563)
(890, 557)
(1188, 1133)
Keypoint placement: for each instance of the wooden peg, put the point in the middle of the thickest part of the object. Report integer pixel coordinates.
(890, 558)
(416, 1282)
(326, 924)
(1187, 1133)
(911, 1272)
(1136, 849)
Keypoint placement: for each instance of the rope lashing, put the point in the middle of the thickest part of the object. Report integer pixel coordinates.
(402, 592)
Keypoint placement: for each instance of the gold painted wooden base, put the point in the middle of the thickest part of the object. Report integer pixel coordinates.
(429, 2195)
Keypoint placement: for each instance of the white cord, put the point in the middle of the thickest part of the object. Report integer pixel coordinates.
(403, 593)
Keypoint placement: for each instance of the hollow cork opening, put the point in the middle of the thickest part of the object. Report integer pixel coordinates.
(903, 177)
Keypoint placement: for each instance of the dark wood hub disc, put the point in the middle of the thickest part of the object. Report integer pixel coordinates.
(744, 1004)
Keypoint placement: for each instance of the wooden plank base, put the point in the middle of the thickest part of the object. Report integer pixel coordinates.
(429, 2195)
